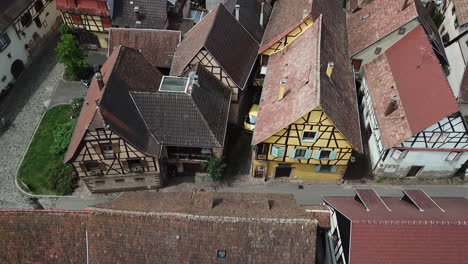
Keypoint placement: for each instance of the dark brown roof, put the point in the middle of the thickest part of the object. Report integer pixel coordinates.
(249, 15)
(405, 71)
(153, 13)
(158, 46)
(43, 237)
(303, 63)
(116, 107)
(10, 10)
(164, 228)
(196, 118)
(227, 41)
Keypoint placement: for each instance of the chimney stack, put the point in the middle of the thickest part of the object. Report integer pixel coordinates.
(136, 9)
(99, 80)
(237, 12)
(261, 15)
(329, 69)
(282, 89)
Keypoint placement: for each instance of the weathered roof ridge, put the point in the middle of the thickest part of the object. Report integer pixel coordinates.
(412, 222)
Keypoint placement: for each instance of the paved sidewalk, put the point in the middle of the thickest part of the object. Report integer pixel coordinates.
(65, 91)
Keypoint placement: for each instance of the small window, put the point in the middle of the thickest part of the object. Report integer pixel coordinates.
(135, 165)
(277, 151)
(102, 5)
(326, 168)
(77, 19)
(401, 31)
(221, 254)
(139, 179)
(100, 182)
(91, 165)
(456, 23)
(392, 107)
(38, 6)
(325, 154)
(453, 10)
(399, 154)
(452, 156)
(119, 180)
(391, 168)
(438, 137)
(107, 150)
(106, 22)
(26, 19)
(309, 136)
(377, 50)
(4, 78)
(300, 153)
(38, 22)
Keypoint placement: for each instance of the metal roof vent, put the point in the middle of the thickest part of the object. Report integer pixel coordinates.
(366, 16)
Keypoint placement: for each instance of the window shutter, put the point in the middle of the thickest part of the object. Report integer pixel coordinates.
(332, 155)
(83, 167)
(293, 153)
(317, 168)
(403, 154)
(124, 164)
(116, 147)
(102, 166)
(317, 154)
(281, 151)
(277, 152)
(308, 154)
(97, 149)
(333, 168)
(274, 151)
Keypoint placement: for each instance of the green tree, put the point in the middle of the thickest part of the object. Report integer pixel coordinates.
(62, 136)
(65, 29)
(62, 180)
(215, 167)
(72, 56)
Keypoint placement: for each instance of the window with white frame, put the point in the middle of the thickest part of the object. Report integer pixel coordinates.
(300, 153)
(4, 41)
(325, 155)
(453, 156)
(309, 136)
(326, 168)
(399, 154)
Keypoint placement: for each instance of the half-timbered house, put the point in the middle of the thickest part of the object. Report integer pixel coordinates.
(91, 19)
(224, 47)
(137, 125)
(24, 28)
(308, 124)
(412, 121)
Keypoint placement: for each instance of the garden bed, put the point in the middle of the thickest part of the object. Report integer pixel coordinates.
(42, 170)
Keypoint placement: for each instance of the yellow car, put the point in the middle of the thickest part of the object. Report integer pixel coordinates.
(251, 118)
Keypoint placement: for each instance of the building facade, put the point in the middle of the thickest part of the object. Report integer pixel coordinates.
(455, 19)
(24, 26)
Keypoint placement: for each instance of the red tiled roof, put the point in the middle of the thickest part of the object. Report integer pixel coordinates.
(407, 71)
(461, 10)
(376, 20)
(158, 46)
(89, 7)
(399, 232)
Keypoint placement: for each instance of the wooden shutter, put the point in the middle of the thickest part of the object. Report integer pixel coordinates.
(332, 155)
(83, 167)
(317, 168)
(333, 168)
(308, 154)
(277, 152)
(124, 164)
(116, 147)
(292, 154)
(317, 154)
(97, 149)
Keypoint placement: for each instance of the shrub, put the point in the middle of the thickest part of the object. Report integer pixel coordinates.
(76, 105)
(62, 136)
(62, 180)
(215, 168)
(65, 29)
(72, 56)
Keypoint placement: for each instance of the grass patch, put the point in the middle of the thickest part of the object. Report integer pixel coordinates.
(35, 170)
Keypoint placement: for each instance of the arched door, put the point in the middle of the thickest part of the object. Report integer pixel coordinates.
(17, 68)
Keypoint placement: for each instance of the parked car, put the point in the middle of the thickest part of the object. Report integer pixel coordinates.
(251, 118)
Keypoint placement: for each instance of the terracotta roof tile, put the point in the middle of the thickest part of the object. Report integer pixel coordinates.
(405, 71)
(153, 14)
(227, 41)
(158, 46)
(374, 22)
(89, 7)
(461, 10)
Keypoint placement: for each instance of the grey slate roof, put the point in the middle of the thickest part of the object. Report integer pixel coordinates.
(10, 10)
(197, 118)
(153, 14)
(249, 15)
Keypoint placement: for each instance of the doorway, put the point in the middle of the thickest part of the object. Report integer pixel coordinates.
(283, 170)
(17, 68)
(414, 171)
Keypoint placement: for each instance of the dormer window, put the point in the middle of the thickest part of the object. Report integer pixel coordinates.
(392, 106)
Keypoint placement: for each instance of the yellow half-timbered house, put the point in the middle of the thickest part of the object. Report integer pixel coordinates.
(308, 124)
